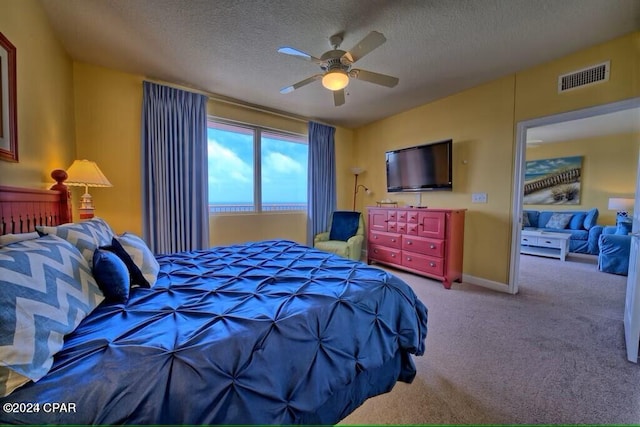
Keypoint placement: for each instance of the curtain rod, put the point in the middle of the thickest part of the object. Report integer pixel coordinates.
(237, 102)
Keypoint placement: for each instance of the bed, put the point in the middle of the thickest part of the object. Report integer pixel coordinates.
(269, 332)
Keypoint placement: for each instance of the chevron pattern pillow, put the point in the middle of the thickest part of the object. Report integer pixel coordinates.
(87, 236)
(47, 289)
(141, 255)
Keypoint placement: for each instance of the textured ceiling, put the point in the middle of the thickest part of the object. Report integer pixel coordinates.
(435, 48)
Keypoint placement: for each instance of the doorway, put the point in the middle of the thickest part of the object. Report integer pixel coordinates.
(519, 168)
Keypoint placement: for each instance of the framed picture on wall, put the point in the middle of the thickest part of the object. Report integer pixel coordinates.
(553, 181)
(8, 112)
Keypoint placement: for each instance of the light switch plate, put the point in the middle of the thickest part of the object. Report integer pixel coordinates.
(479, 198)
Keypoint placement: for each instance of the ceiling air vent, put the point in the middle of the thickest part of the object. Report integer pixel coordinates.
(584, 77)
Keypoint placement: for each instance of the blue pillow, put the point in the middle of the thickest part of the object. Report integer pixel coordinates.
(577, 221)
(591, 219)
(624, 227)
(112, 275)
(344, 225)
(135, 275)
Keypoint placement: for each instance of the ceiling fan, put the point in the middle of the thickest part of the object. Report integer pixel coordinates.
(337, 63)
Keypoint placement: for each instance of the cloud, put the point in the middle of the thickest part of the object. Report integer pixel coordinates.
(280, 163)
(228, 165)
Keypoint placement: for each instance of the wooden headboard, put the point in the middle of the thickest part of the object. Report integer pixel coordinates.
(21, 209)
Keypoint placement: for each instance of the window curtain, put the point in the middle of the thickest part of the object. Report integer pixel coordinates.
(322, 199)
(174, 169)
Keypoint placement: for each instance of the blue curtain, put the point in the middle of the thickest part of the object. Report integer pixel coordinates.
(174, 169)
(322, 179)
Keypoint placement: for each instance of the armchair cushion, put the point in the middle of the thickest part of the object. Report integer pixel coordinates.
(351, 246)
(344, 225)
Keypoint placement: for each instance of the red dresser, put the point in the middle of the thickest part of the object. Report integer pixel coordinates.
(428, 242)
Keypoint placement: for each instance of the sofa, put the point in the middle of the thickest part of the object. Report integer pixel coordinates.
(581, 225)
(615, 246)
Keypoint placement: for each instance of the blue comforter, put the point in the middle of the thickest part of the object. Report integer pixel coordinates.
(269, 332)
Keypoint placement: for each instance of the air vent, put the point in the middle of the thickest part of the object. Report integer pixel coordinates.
(584, 77)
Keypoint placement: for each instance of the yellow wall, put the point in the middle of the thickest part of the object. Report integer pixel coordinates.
(46, 138)
(482, 123)
(108, 113)
(536, 88)
(609, 168)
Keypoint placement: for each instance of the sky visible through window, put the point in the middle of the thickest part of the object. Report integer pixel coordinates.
(231, 171)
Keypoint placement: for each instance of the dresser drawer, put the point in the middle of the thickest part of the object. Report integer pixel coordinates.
(424, 263)
(384, 254)
(431, 247)
(528, 240)
(385, 239)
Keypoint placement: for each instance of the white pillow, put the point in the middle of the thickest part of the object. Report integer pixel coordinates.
(87, 236)
(7, 239)
(45, 279)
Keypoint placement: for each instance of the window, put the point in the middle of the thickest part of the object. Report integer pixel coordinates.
(252, 169)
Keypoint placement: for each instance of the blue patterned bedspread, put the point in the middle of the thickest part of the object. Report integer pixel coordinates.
(262, 333)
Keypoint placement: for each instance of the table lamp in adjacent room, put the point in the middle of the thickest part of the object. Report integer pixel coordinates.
(85, 173)
(622, 206)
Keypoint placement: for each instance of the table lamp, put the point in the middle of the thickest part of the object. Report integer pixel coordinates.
(85, 173)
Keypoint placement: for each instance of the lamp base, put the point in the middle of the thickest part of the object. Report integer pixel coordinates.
(85, 213)
(86, 209)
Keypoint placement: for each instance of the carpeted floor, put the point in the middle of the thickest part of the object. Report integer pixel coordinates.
(554, 353)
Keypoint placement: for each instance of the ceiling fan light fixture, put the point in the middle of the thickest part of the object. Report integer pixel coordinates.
(335, 80)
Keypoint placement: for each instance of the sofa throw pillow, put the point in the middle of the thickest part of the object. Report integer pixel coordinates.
(525, 220)
(591, 219)
(87, 236)
(141, 256)
(577, 221)
(112, 275)
(559, 221)
(47, 289)
(344, 225)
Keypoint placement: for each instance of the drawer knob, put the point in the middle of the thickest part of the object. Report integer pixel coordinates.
(409, 242)
(432, 264)
(432, 246)
(393, 240)
(408, 258)
(375, 237)
(393, 255)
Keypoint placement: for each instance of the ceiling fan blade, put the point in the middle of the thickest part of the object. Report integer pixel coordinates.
(372, 40)
(338, 97)
(287, 50)
(371, 77)
(300, 84)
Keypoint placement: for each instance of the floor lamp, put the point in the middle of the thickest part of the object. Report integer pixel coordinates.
(356, 186)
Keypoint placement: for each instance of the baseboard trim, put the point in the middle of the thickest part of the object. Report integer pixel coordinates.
(485, 283)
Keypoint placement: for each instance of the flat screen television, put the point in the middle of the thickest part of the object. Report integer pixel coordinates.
(425, 167)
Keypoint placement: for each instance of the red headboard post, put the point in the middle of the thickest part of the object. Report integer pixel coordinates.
(60, 176)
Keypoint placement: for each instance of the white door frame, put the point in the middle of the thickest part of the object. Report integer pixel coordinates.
(519, 168)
